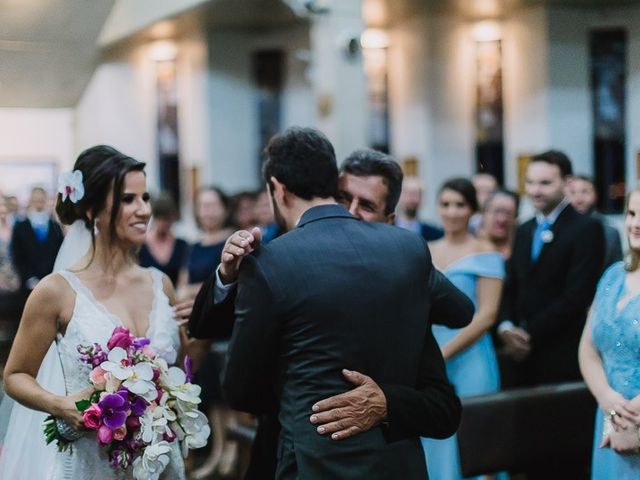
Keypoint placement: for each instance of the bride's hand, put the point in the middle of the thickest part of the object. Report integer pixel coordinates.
(67, 410)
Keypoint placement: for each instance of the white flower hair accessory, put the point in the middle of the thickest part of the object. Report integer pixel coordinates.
(70, 186)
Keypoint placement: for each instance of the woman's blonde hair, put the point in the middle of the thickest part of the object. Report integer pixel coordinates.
(632, 261)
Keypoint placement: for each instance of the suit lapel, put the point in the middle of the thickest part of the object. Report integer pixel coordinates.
(31, 233)
(529, 227)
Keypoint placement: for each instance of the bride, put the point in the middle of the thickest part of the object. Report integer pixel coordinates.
(105, 200)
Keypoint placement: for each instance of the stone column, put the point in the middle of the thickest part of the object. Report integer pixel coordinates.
(337, 75)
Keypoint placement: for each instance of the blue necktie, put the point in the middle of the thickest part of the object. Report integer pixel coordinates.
(537, 243)
(41, 232)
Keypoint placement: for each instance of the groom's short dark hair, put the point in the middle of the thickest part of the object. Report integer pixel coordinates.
(303, 160)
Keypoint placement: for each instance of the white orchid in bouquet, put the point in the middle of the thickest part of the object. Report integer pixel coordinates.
(140, 405)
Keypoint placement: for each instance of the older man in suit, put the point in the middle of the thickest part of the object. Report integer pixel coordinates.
(336, 286)
(551, 279)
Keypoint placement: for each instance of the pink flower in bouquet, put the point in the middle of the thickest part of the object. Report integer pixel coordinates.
(105, 435)
(120, 338)
(148, 351)
(97, 377)
(92, 417)
(120, 433)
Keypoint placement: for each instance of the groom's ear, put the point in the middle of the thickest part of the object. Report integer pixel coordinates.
(278, 190)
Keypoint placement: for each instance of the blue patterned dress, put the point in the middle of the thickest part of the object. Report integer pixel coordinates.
(473, 371)
(616, 335)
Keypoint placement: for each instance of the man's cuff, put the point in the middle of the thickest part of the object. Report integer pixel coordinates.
(505, 326)
(220, 290)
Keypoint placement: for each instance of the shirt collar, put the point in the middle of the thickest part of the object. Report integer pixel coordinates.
(555, 213)
(320, 212)
(38, 218)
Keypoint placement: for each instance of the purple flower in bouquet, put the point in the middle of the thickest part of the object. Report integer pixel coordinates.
(120, 457)
(141, 342)
(187, 368)
(92, 354)
(115, 407)
(138, 405)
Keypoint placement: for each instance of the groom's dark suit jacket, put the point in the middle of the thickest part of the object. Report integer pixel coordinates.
(550, 297)
(340, 293)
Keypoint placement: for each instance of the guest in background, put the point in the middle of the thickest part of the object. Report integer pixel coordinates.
(264, 217)
(35, 242)
(162, 249)
(476, 269)
(551, 279)
(9, 281)
(583, 197)
(485, 184)
(212, 218)
(500, 219)
(243, 210)
(609, 359)
(14, 209)
(409, 207)
(212, 209)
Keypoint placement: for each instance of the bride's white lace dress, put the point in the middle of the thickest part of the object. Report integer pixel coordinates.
(90, 323)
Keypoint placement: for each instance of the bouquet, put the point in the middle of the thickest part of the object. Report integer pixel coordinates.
(138, 408)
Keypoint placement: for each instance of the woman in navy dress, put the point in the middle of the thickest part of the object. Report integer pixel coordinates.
(477, 270)
(163, 250)
(212, 218)
(610, 360)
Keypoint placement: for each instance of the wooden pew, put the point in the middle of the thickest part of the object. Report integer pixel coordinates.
(543, 428)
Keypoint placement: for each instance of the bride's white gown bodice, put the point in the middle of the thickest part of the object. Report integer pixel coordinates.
(90, 323)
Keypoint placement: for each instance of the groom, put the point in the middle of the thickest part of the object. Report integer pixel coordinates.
(333, 292)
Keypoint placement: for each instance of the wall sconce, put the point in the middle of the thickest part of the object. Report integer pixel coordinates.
(163, 51)
(487, 31)
(374, 38)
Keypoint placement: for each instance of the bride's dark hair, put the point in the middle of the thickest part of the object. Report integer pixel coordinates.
(103, 170)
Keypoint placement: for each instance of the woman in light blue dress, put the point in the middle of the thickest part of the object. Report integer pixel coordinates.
(477, 270)
(610, 360)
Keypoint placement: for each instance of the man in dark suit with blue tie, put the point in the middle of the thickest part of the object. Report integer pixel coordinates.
(307, 306)
(551, 279)
(35, 242)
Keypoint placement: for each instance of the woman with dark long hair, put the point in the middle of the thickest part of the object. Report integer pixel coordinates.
(97, 286)
(477, 270)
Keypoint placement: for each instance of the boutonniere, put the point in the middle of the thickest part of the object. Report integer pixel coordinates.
(546, 236)
(70, 186)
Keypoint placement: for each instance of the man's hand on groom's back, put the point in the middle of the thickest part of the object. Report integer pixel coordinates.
(352, 412)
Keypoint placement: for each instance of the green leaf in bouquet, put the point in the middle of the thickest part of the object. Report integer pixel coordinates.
(51, 434)
(82, 405)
